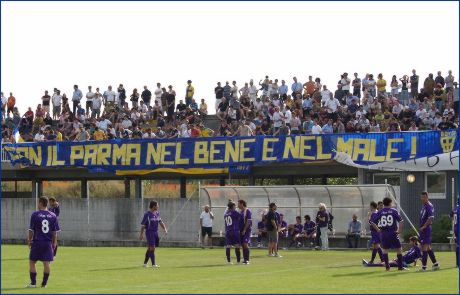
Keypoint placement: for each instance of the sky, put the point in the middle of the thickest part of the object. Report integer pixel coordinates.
(59, 44)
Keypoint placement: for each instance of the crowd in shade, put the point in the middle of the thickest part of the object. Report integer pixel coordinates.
(265, 107)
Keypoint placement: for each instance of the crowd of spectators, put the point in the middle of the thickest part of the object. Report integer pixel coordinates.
(268, 108)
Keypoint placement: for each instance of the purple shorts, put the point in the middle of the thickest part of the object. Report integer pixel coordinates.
(246, 238)
(41, 251)
(152, 238)
(390, 240)
(375, 237)
(232, 238)
(425, 236)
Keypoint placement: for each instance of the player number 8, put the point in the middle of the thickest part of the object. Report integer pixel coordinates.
(228, 220)
(386, 221)
(45, 226)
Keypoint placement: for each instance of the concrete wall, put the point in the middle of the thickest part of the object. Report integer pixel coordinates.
(110, 220)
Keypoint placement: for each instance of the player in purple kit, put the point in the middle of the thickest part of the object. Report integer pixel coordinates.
(309, 229)
(454, 216)
(389, 223)
(150, 223)
(232, 231)
(295, 230)
(426, 220)
(261, 231)
(410, 257)
(42, 240)
(54, 207)
(245, 229)
(375, 235)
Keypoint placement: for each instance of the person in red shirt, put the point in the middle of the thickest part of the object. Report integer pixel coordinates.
(196, 132)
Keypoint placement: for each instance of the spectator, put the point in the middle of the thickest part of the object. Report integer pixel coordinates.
(381, 86)
(121, 95)
(356, 86)
(252, 91)
(146, 96)
(90, 95)
(439, 97)
(99, 134)
(345, 82)
(158, 94)
(449, 80)
(4, 101)
(429, 85)
(296, 87)
(11, 102)
(96, 105)
(76, 97)
(56, 101)
(322, 219)
(327, 128)
(219, 91)
(354, 232)
(371, 86)
(170, 101)
(316, 129)
(439, 79)
(206, 218)
(414, 84)
(46, 102)
(189, 92)
(109, 97)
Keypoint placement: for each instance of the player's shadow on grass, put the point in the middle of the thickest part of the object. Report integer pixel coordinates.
(411, 270)
(354, 274)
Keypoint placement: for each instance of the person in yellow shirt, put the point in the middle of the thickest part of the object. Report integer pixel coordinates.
(99, 134)
(381, 85)
(58, 135)
(206, 132)
(189, 93)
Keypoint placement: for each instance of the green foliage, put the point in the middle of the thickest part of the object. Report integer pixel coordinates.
(119, 270)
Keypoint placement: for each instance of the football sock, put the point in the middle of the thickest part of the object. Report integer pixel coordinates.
(152, 257)
(379, 250)
(374, 253)
(238, 254)
(424, 258)
(147, 256)
(385, 259)
(55, 250)
(33, 278)
(400, 262)
(227, 253)
(245, 254)
(432, 257)
(45, 278)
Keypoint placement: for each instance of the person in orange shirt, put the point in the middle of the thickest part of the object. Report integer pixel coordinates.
(10, 104)
(310, 86)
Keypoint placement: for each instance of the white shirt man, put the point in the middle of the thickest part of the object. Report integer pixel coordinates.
(287, 116)
(126, 123)
(90, 95)
(325, 94)
(258, 106)
(56, 100)
(360, 112)
(277, 120)
(345, 81)
(316, 129)
(39, 137)
(397, 108)
(149, 135)
(158, 93)
(4, 100)
(332, 105)
(103, 124)
(110, 95)
(252, 91)
(97, 102)
(421, 113)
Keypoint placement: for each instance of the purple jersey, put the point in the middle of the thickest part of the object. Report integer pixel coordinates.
(246, 217)
(55, 210)
(373, 217)
(232, 221)
(453, 214)
(426, 213)
(297, 228)
(322, 214)
(261, 225)
(309, 227)
(43, 223)
(387, 219)
(151, 220)
(413, 254)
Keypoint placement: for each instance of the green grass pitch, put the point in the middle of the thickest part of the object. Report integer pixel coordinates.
(119, 270)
